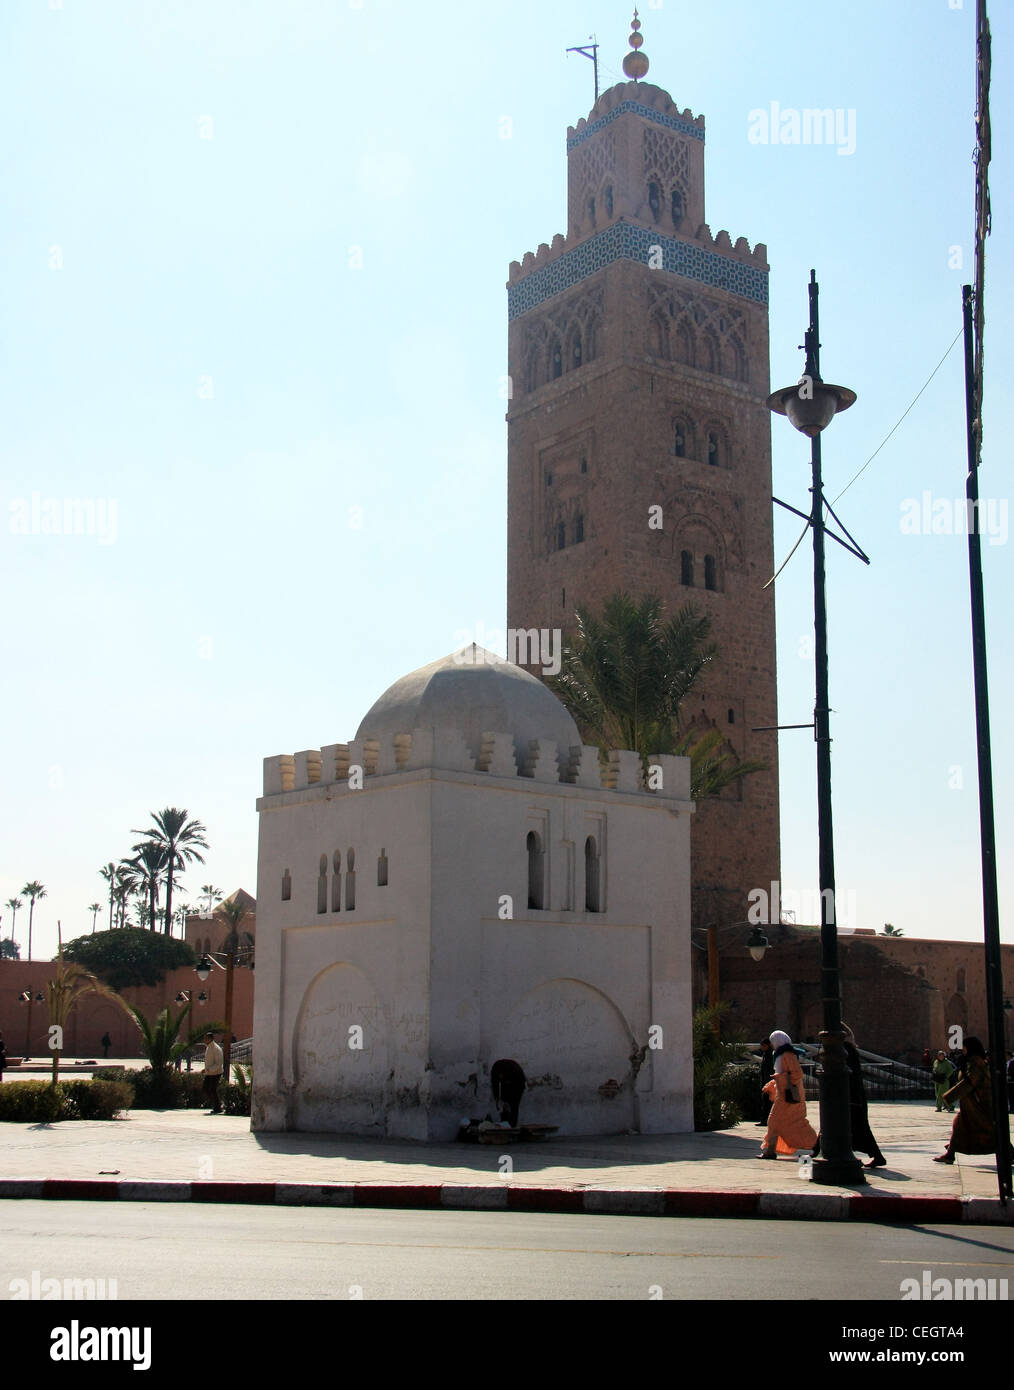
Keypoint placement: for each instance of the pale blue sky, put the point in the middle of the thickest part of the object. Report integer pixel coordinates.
(188, 338)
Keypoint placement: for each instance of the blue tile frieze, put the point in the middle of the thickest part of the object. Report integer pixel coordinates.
(647, 112)
(624, 241)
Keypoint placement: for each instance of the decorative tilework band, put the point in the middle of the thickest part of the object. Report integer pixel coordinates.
(624, 241)
(647, 112)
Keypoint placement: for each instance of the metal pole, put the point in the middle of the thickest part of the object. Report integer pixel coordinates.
(837, 1163)
(713, 982)
(987, 830)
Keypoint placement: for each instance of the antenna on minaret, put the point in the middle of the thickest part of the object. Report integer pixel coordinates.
(591, 51)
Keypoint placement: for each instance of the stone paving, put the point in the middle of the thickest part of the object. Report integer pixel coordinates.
(190, 1146)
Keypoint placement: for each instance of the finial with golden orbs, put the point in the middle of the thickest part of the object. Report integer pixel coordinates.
(635, 64)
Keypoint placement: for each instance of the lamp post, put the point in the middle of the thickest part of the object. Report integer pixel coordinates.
(756, 943)
(811, 404)
(204, 967)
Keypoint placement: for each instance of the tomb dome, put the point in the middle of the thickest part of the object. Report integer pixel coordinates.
(476, 692)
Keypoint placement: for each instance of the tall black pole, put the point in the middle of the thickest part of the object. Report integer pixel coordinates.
(987, 830)
(837, 1163)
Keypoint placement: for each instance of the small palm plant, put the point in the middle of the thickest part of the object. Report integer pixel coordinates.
(64, 992)
(163, 1044)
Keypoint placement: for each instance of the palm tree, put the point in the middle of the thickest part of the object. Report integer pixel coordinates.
(180, 839)
(63, 994)
(212, 896)
(235, 942)
(125, 882)
(13, 904)
(890, 930)
(149, 864)
(624, 680)
(162, 1044)
(108, 872)
(32, 891)
(94, 909)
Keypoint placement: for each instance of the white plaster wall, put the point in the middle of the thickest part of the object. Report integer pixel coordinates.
(444, 986)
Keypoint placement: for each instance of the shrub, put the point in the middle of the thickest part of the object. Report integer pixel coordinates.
(39, 1102)
(716, 1084)
(156, 1090)
(96, 1100)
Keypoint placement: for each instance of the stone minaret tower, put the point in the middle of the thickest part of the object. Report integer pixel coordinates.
(638, 354)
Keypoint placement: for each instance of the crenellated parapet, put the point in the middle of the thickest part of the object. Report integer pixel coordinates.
(655, 103)
(352, 766)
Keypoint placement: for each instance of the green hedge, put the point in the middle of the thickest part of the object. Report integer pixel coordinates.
(179, 1090)
(39, 1102)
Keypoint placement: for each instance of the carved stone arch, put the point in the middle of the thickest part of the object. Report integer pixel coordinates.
(709, 351)
(702, 723)
(714, 432)
(658, 336)
(735, 362)
(683, 423)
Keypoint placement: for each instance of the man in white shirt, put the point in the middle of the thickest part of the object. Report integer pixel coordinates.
(213, 1060)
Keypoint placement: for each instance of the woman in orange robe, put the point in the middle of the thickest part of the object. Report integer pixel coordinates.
(787, 1122)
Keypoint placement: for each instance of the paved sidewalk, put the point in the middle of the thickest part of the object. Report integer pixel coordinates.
(186, 1155)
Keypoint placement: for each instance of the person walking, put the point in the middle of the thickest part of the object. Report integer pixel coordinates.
(859, 1114)
(787, 1121)
(105, 1043)
(767, 1071)
(973, 1131)
(943, 1073)
(213, 1061)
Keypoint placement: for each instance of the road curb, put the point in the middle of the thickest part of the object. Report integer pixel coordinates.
(914, 1210)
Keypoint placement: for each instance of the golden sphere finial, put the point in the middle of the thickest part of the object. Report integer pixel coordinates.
(635, 64)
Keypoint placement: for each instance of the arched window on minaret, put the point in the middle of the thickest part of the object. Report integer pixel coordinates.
(561, 535)
(679, 440)
(286, 887)
(591, 211)
(382, 869)
(655, 200)
(609, 200)
(350, 881)
(710, 572)
(658, 337)
(592, 876)
(676, 204)
(687, 568)
(536, 871)
(575, 349)
(336, 881)
(714, 449)
(555, 360)
(322, 885)
(683, 344)
(579, 529)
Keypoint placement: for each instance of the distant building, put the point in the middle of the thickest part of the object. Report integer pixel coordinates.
(206, 931)
(899, 994)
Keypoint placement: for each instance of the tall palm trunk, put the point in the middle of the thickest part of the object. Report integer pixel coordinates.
(31, 914)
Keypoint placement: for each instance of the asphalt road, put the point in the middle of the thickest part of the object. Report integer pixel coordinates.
(179, 1251)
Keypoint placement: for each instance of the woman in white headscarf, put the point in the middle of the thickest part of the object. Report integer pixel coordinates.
(787, 1120)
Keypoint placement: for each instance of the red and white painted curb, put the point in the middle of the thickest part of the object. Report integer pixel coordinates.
(598, 1201)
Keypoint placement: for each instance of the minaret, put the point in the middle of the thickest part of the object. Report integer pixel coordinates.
(638, 356)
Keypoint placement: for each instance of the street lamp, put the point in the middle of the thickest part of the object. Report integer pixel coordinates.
(756, 943)
(811, 405)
